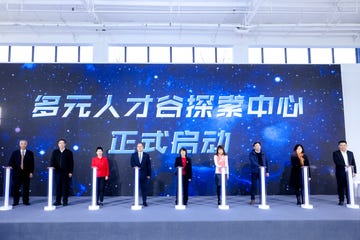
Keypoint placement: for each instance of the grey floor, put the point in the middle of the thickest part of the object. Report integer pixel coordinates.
(201, 220)
(199, 209)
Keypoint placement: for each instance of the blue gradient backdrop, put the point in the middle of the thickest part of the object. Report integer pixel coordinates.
(319, 127)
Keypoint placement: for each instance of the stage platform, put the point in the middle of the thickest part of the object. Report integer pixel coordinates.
(201, 220)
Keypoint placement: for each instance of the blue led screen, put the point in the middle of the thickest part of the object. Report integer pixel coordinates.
(169, 106)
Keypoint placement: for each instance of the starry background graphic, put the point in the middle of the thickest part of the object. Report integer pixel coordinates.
(318, 128)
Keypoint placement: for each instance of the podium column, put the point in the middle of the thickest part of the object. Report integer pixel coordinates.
(93, 205)
(180, 205)
(50, 206)
(305, 175)
(7, 190)
(263, 204)
(223, 205)
(136, 205)
(349, 175)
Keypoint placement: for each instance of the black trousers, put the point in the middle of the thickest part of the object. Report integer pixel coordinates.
(62, 182)
(218, 185)
(185, 188)
(254, 181)
(100, 189)
(20, 178)
(144, 182)
(342, 187)
(299, 193)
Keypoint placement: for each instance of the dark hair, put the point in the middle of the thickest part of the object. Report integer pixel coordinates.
(220, 147)
(299, 145)
(183, 149)
(342, 141)
(256, 143)
(99, 148)
(61, 139)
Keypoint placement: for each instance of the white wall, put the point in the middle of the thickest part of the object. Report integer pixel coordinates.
(351, 93)
(179, 37)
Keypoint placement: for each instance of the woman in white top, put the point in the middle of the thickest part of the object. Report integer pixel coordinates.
(221, 161)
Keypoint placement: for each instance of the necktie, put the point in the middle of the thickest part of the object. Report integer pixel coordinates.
(140, 157)
(61, 160)
(22, 159)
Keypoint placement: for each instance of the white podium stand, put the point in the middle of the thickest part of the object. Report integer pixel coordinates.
(349, 172)
(136, 205)
(94, 206)
(50, 206)
(305, 175)
(223, 205)
(180, 205)
(263, 204)
(7, 190)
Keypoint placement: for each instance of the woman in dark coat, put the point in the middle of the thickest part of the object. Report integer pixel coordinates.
(185, 162)
(298, 160)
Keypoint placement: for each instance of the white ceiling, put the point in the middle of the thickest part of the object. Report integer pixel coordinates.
(249, 18)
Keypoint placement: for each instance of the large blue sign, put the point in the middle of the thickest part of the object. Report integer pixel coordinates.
(167, 107)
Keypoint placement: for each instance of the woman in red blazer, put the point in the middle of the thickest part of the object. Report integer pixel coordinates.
(102, 174)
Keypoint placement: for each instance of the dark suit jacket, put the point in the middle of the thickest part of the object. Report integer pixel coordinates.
(254, 162)
(188, 167)
(15, 161)
(62, 162)
(296, 172)
(145, 166)
(340, 163)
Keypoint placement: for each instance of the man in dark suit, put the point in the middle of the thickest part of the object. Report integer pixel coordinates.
(22, 164)
(63, 163)
(343, 159)
(142, 160)
(257, 158)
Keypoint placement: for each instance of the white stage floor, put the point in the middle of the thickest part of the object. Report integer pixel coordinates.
(201, 220)
(200, 208)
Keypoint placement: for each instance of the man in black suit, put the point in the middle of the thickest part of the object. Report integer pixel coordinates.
(343, 159)
(63, 163)
(22, 165)
(142, 160)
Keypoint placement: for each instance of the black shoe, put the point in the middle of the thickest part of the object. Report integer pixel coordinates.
(65, 204)
(101, 204)
(26, 203)
(219, 202)
(145, 204)
(341, 203)
(15, 204)
(57, 203)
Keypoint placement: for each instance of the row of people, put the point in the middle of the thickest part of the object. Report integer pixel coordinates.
(22, 164)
